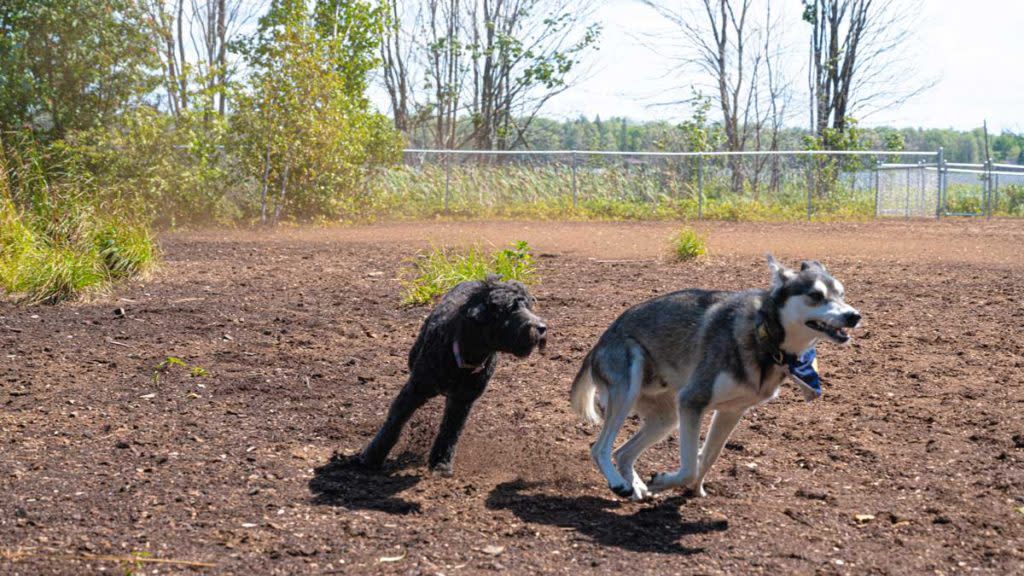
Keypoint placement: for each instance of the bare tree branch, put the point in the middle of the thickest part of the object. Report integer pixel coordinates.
(857, 62)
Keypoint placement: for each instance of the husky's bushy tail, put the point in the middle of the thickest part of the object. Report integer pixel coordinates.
(584, 392)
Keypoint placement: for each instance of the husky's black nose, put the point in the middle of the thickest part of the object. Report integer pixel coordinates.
(851, 319)
(542, 329)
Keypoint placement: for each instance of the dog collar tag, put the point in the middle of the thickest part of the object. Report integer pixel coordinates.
(803, 370)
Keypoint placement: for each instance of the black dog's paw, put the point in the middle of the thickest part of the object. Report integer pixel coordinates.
(368, 464)
(355, 462)
(443, 469)
(622, 490)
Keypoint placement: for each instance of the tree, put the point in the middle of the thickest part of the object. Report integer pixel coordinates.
(195, 39)
(497, 62)
(396, 53)
(736, 55)
(857, 60)
(304, 123)
(70, 64)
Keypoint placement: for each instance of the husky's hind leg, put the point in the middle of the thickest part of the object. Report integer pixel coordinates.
(621, 394)
(656, 426)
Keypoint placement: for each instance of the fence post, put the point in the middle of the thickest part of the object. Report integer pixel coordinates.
(995, 192)
(906, 202)
(920, 182)
(988, 189)
(700, 187)
(447, 180)
(573, 179)
(878, 164)
(939, 208)
(810, 189)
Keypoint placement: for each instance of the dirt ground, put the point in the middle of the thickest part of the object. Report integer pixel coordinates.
(911, 463)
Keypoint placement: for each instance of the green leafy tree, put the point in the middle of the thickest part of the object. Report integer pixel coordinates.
(304, 122)
(350, 32)
(494, 61)
(71, 64)
(698, 133)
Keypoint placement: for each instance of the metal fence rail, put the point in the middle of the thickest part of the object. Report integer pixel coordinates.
(731, 185)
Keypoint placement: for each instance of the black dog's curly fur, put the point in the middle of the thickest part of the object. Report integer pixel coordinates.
(456, 354)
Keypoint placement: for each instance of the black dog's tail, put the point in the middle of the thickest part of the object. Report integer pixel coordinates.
(584, 392)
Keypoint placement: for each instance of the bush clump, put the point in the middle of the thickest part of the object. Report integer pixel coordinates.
(440, 269)
(56, 242)
(688, 244)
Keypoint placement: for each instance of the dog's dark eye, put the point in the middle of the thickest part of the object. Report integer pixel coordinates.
(816, 297)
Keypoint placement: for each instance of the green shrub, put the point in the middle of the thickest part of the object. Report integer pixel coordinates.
(514, 263)
(38, 269)
(440, 269)
(688, 244)
(53, 274)
(126, 250)
(963, 204)
(170, 170)
(56, 241)
(1014, 199)
(17, 242)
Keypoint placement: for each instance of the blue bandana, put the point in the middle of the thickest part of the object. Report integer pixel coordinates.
(804, 372)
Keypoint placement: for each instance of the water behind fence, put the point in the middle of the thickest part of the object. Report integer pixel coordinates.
(718, 185)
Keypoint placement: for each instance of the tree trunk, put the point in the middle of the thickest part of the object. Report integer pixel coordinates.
(284, 187)
(182, 77)
(266, 184)
(222, 54)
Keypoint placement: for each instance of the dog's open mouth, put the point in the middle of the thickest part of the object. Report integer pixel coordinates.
(837, 333)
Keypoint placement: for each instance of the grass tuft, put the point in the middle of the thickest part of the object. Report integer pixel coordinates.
(43, 267)
(688, 244)
(439, 270)
(49, 275)
(57, 241)
(126, 250)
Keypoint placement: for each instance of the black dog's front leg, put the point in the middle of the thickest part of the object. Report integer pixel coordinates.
(456, 411)
(410, 399)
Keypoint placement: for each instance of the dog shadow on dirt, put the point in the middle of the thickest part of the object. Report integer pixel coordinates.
(657, 528)
(344, 482)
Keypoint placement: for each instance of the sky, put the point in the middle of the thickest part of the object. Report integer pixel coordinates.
(971, 49)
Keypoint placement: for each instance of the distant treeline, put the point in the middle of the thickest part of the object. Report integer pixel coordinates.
(622, 134)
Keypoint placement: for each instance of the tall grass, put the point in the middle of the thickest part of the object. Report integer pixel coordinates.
(612, 193)
(688, 244)
(440, 269)
(56, 242)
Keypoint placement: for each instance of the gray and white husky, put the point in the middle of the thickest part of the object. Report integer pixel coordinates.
(674, 358)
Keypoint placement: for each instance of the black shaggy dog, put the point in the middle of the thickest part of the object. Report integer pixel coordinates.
(455, 355)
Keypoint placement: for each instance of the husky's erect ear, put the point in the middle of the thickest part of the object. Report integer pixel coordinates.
(779, 272)
(812, 264)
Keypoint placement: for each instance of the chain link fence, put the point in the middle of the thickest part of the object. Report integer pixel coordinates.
(784, 185)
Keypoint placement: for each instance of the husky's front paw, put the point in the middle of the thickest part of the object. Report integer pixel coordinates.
(663, 481)
(697, 491)
(667, 481)
(622, 490)
(640, 490)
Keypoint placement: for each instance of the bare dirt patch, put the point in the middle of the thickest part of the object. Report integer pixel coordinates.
(911, 463)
